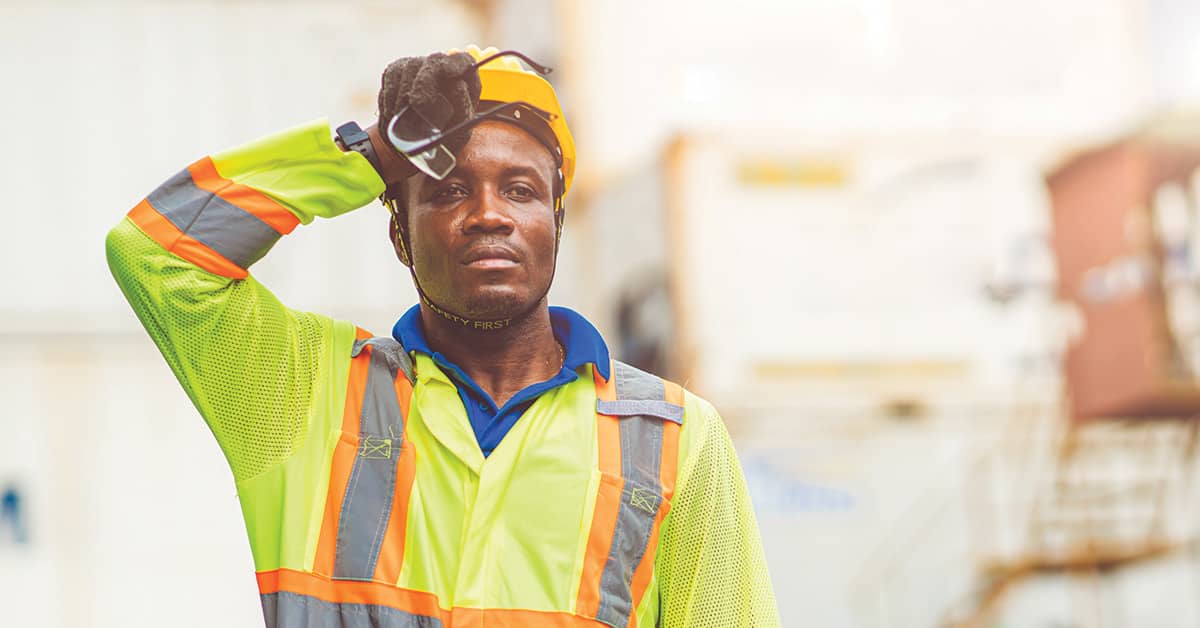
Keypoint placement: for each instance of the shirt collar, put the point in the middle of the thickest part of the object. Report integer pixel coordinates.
(582, 342)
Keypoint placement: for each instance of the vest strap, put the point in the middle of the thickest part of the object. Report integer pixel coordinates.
(638, 420)
(366, 511)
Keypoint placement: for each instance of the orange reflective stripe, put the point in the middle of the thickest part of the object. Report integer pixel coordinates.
(608, 433)
(674, 392)
(343, 459)
(175, 241)
(669, 465)
(391, 554)
(351, 592)
(205, 176)
(404, 393)
(608, 501)
(410, 601)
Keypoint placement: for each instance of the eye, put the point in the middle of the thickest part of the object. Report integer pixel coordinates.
(450, 193)
(521, 192)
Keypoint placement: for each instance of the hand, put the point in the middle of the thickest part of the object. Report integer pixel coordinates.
(444, 89)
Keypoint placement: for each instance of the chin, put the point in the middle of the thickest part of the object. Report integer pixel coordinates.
(496, 303)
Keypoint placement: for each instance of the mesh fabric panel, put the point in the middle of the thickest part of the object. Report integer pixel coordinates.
(247, 362)
(712, 572)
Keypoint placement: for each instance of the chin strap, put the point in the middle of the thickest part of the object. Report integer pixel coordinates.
(478, 323)
(469, 323)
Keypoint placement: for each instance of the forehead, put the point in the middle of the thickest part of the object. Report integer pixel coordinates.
(496, 144)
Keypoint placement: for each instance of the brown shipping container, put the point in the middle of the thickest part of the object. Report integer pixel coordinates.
(1126, 363)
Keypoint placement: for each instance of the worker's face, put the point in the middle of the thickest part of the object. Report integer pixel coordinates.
(483, 238)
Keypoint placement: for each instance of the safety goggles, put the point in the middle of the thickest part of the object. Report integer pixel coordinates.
(421, 142)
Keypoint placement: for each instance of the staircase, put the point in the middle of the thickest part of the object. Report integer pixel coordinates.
(1112, 494)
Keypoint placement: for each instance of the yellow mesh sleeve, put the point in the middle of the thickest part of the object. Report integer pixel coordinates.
(247, 362)
(304, 170)
(711, 569)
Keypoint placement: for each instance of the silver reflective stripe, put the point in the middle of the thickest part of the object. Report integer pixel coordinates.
(631, 407)
(398, 358)
(292, 610)
(367, 504)
(641, 454)
(238, 235)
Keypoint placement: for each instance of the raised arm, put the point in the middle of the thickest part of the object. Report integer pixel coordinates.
(182, 258)
(182, 255)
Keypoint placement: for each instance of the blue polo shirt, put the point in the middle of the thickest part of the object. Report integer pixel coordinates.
(583, 345)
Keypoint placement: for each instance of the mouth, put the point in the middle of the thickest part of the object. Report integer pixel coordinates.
(491, 256)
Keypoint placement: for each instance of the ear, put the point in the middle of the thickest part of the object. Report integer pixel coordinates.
(398, 237)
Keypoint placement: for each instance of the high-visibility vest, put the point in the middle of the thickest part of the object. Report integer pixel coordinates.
(361, 549)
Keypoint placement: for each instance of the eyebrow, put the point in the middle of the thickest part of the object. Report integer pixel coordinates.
(428, 185)
(535, 173)
(529, 171)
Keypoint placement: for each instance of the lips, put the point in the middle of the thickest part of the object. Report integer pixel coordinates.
(491, 254)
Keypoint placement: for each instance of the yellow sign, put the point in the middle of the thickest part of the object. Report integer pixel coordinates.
(813, 173)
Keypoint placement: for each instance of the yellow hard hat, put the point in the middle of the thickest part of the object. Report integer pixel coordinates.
(505, 80)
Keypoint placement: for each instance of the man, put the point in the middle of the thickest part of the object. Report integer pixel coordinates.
(487, 464)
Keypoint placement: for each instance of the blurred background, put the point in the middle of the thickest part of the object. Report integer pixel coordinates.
(934, 260)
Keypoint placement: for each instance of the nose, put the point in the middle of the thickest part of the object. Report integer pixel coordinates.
(488, 213)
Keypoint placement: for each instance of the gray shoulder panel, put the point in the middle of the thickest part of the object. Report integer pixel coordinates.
(633, 383)
(634, 407)
(639, 394)
(397, 358)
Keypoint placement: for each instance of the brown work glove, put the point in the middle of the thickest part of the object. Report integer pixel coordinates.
(443, 88)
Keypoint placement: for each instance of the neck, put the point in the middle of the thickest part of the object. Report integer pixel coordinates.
(502, 359)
